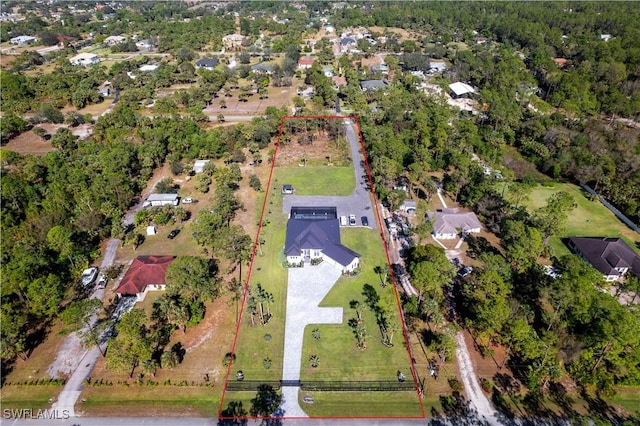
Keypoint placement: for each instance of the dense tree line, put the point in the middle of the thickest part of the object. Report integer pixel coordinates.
(57, 208)
(516, 75)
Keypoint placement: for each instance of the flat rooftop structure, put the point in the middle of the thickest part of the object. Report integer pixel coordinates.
(460, 88)
(314, 213)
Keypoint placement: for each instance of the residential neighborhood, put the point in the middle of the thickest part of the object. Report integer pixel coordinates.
(232, 212)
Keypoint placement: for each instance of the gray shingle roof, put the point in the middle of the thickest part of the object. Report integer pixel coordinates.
(606, 254)
(320, 235)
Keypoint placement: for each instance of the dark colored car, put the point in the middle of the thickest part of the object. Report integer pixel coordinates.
(173, 234)
(365, 221)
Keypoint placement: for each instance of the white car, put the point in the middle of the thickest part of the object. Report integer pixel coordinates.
(89, 276)
(102, 281)
(187, 200)
(352, 219)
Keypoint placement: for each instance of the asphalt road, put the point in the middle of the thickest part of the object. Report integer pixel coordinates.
(358, 203)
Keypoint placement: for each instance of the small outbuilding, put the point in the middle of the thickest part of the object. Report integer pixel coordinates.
(161, 200)
(199, 165)
(459, 89)
(409, 206)
(152, 230)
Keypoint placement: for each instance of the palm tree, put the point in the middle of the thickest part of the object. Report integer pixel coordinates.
(314, 360)
(357, 306)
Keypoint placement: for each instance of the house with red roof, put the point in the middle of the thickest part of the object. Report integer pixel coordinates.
(146, 273)
(305, 63)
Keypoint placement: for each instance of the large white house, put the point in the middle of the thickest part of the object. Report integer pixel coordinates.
(84, 59)
(313, 234)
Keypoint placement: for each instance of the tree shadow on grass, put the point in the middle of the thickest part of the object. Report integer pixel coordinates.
(599, 408)
(456, 410)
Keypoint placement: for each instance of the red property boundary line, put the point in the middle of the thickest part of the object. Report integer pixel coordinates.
(386, 251)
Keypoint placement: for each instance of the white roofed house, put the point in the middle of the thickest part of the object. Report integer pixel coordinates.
(233, 41)
(84, 59)
(459, 89)
(448, 223)
(22, 40)
(155, 200)
(113, 40)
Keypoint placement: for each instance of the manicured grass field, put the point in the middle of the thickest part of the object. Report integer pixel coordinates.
(151, 401)
(252, 348)
(362, 404)
(28, 397)
(317, 180)
(340, 358)
(589, 219)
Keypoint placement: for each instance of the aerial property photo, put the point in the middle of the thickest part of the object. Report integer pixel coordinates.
(318, 320)
(319, 212)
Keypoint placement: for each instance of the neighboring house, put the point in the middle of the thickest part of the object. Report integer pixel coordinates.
(84, 59)
(447, 223)
(146, 273)
(380, 68)
(371, 85)
(305, 63)
(347, 44)
(233, 41)
(611, 256)
(317, 237)
(409, 206)
(161, 200)
(22, 40)
(145, 44)
(198, 166)
(148, 68)
(339, 82)
(459, 89)
(262, 69)
(113, 40)
(207, 63)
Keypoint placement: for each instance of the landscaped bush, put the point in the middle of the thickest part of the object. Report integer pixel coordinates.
(316, 261)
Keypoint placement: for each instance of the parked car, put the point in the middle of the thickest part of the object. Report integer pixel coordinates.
(173, 234)
(187, 200)
(352, 219)
(89, 276)
(364, 220)
(102, 281)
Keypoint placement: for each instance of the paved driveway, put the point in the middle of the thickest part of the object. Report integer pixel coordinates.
(306, 287)
(358, 203)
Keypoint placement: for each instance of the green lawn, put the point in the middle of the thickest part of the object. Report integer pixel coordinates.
(339, 356)
(153, 401)
(628, 398)
(589, 219)
(316, 180)
(252, 348)
(362, 404)
(28, 397)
